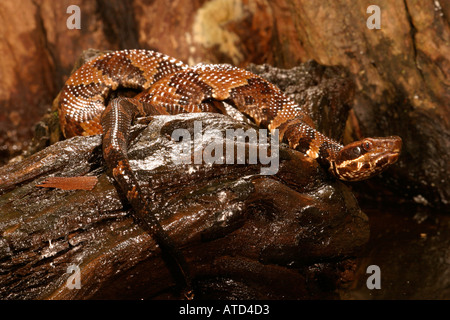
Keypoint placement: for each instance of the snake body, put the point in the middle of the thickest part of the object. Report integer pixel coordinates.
(168, 86)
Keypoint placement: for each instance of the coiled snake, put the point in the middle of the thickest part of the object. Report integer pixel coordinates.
(169, 86)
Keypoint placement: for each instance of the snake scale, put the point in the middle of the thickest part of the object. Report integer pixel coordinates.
(168, 86)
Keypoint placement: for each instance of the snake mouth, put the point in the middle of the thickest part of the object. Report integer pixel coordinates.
(392, 150)
(396, 151)
(393, 156)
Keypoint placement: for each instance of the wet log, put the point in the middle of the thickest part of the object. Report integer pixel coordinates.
(244, 235)
(290, 234)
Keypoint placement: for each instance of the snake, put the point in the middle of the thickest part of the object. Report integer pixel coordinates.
(168, 86)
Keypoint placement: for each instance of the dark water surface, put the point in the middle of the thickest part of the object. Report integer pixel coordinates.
(411, 246)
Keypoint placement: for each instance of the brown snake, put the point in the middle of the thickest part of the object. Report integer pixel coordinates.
(169, 86)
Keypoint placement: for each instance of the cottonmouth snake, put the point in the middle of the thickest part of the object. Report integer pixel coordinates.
(168, 86)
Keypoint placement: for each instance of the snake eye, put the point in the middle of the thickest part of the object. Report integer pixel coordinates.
(367, 145)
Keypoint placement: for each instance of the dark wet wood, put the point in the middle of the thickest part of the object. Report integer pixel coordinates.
(237, 229)
(244, 235)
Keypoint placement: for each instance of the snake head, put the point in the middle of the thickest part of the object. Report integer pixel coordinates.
(364, 159)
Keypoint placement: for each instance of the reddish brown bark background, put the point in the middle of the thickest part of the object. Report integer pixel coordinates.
(401, 70)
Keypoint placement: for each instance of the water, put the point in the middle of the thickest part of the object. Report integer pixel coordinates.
(411, 245)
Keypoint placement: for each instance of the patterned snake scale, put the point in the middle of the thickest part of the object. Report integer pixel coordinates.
(168, 86)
